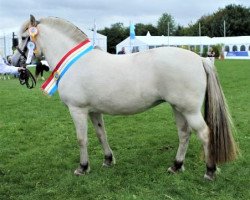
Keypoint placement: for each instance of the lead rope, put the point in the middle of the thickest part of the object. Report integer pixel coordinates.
(26, 77)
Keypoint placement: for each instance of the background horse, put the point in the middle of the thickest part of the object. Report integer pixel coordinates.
(40, 67)
(121, 85)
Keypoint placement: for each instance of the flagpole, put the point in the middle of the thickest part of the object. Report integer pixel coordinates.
(94, 33)
(168, 33)
(4, 44)
(200, 37)
(130, 42)
(224, 28)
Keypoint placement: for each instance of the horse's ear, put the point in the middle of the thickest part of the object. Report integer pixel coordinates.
(33, 21)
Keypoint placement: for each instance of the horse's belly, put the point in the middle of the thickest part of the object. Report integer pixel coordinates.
(123, 106)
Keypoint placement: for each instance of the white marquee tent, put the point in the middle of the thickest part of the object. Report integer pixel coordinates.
(100, 40)
(231, 44)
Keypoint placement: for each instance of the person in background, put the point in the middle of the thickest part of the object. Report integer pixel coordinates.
(211, 54)
(122, 51)
(41, 65)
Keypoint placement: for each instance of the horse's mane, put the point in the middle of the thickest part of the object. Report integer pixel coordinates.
(60, 24)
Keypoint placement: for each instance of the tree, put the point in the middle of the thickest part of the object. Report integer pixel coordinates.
(237, 20)
(142, 29)
(115, 35)
(162, 24)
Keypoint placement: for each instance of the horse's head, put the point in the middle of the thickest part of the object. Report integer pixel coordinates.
(28, 47)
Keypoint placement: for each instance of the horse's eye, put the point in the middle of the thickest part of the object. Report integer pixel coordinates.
(23, 38)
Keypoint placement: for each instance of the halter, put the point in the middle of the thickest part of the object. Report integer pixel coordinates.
(25, 75)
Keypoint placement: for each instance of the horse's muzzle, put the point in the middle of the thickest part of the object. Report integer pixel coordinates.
(18, 60)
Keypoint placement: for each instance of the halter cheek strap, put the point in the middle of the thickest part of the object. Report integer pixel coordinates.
(33, 31)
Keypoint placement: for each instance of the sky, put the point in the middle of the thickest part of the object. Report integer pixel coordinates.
(106, 12)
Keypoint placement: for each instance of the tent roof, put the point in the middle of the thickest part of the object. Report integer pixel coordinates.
(173, 40)
(184, 40)
(90, 33)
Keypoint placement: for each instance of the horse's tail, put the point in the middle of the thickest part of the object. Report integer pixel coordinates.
(222, 146)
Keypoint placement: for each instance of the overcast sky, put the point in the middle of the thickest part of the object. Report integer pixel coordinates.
(106, 12)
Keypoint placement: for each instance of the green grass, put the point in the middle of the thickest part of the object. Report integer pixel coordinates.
(39, 150)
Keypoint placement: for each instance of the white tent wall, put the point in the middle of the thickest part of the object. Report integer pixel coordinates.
(231, 44)
(6, 44)
(100, 40)
(128, 45)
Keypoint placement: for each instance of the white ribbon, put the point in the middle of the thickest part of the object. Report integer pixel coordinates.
(31, 46)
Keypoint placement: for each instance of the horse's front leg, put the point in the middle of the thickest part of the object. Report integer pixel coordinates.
(80, 116)
(98, 123)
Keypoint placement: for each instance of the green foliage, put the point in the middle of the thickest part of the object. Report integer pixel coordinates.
(237, 20)
(39, 149)
(217, 50)
(163, 22)
(115, 35)
(205, 50)
(142, 29)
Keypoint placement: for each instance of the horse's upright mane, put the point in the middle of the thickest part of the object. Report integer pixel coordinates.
(65, 26)
(60, 24)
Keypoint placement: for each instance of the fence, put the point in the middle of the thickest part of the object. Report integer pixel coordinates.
(6, 44)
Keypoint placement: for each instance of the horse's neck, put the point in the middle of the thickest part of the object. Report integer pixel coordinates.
(55, 45)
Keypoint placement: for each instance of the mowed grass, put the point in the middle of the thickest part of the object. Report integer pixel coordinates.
(39, 151)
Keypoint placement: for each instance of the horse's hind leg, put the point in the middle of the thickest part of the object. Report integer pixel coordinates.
(196, 122)
(80, 117)
(98, 123)
(184, 135)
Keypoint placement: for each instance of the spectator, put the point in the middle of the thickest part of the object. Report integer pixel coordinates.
(122, 51)
(211, 54)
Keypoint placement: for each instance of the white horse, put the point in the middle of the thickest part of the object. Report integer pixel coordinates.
(102, 83)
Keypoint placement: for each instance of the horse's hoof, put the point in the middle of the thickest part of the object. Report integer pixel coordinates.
(170, 170)
(108, 161)
(209, 177)
(210, 173)
(82, 170)
(173, 169)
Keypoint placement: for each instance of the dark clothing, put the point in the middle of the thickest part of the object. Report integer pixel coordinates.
(121, 52)
(211, 54)
(40, 68)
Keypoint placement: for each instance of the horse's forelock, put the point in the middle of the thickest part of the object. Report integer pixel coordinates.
(24, 27)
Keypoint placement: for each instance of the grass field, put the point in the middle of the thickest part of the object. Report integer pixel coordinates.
(39, 150)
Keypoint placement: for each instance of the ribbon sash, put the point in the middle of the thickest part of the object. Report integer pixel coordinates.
(51, 84)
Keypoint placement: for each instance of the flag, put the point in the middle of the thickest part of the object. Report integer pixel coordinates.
(132, 31)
